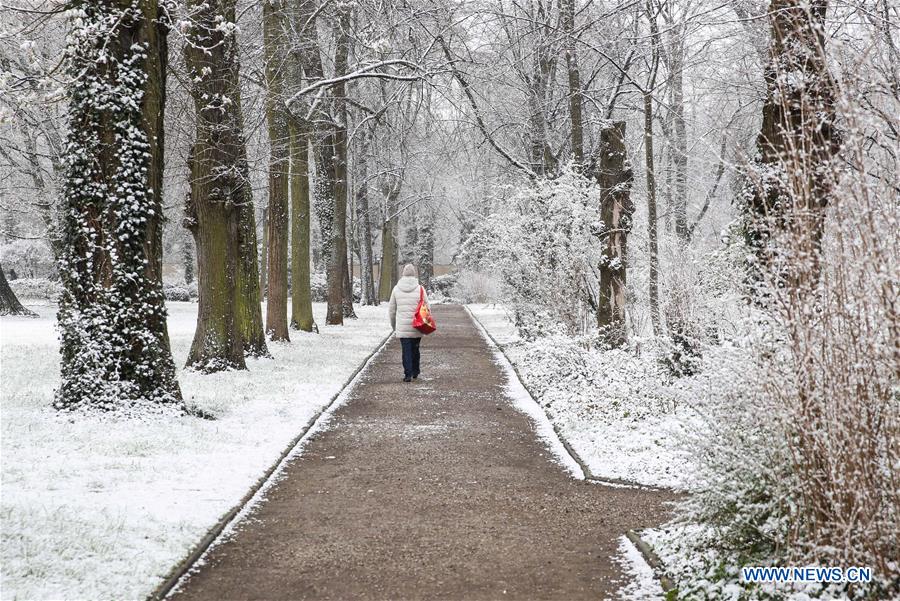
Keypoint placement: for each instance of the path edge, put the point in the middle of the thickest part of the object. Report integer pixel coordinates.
(670, 591)
(175, 575)
(588, 474)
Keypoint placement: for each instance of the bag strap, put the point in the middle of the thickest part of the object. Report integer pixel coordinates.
(421, 294)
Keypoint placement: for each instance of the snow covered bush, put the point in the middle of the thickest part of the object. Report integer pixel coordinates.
(36, 289)
(802, 460)
(176, 293)
(541, 243)
(475, 287)
(27, 259)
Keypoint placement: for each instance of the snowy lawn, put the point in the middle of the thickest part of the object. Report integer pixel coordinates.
(104, 508)
(609, 406)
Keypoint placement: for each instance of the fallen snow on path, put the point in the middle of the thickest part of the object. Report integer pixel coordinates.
(609, 407)
(523, 401)
(642, 583)
(104, 508)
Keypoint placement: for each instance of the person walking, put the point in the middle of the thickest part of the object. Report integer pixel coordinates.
(404, 300)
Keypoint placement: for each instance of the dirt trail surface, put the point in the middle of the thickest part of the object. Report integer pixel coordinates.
(436, 489)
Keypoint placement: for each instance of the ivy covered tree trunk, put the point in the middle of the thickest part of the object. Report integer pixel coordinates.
(264, 255)
(187, 259)
(9, 304)
(219, 208)
(279, 169)
(792, 180)
(614, 177)
(112, 317)
(425, 258)
(301, 297)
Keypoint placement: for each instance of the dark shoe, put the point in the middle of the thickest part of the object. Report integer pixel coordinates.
(407, 379)
(416, 377)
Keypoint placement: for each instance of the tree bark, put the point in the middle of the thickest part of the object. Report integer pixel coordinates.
(797, 145)
(187, 259)
(614, 176)
(326, 203)
(301, 298)
(367, 268)
(387, 273)
(425, 259)
(574, 76)
(112, 317)
(264, 256)
(9, 304)
(219, 208)
(652, 225)
(274, 34)
(341, 180)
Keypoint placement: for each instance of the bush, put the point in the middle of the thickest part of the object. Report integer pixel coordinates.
(542, 244)
(36, 289)
(474, 287)
(30, 259)
(176, 293)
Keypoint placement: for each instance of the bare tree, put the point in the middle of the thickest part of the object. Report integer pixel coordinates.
(219, 208)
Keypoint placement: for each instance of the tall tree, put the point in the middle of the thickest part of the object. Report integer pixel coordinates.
(328, 206)
(342, 174)
(652, 225)
(797, 145)
(219, 208)
(364, 223)
(275, 42)
(389, 268)
(301, 297)
(576, 119)
(112, 317)
(614, 177)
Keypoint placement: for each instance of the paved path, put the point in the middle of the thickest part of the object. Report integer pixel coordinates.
(437, 489)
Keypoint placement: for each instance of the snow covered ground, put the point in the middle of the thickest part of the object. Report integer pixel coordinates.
(610, 407)
(104, 508)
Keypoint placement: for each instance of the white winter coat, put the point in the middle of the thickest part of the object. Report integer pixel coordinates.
(404, 300)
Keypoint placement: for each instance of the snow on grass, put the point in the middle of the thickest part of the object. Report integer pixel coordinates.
(642, 583)
(104, 508)
(609, 406)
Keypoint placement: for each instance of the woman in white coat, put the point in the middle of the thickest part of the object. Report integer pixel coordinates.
(404, 300)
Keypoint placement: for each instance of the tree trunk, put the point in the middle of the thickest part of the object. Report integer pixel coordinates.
(9, 304)
(366, 267)
(279, 163)
(679, 130)
(574, 76)
(652, 231)
(652, 225)
(388, 270)
(425, 259)
(325, 201)
(187, 259)
(797, 145)
(341, 183)
(219, 208)
(614, 176)
(301, 298)
(112, 317)
(264, 256)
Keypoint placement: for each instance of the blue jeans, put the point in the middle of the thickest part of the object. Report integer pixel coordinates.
(410, 348)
